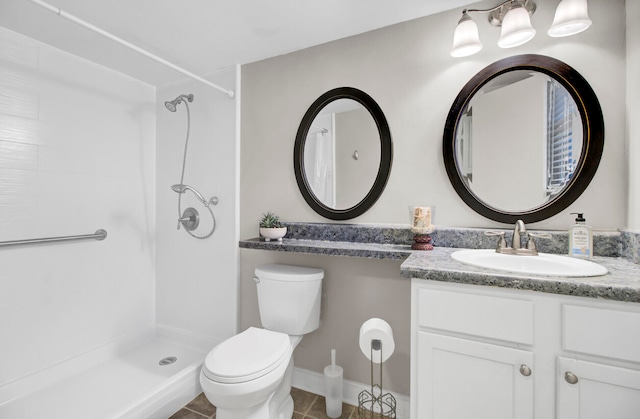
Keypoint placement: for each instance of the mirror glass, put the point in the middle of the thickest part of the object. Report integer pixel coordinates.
(530, 150)
(523, 139)
(342, 153)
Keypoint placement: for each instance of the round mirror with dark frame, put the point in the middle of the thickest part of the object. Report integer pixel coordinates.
(523, 139)
(342, 154)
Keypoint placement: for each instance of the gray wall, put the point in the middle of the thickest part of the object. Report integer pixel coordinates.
(355, 131)
(506, 155)
(353, 292)
(407, 69)
(633, 108)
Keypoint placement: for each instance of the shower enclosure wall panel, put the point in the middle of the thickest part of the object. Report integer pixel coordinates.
(197, 279)
(77, 153)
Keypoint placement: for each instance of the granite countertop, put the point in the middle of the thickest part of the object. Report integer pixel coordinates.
(332, 248)
(622, 283)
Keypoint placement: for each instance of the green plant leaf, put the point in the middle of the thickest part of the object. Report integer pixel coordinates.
(270, 220)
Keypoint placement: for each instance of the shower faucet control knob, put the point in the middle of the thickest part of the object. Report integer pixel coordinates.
(190, 219)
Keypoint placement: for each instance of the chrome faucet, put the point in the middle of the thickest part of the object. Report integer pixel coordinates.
(516, 243)
(518, 230)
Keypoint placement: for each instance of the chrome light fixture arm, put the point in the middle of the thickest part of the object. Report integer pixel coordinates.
(513, 16)
(497, 13)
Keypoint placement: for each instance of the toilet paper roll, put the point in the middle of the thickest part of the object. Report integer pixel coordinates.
(376, 329)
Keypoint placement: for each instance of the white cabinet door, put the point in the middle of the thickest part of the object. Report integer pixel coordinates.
(588, 390)
(460, 378)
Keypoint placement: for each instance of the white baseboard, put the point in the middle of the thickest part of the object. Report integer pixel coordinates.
(313, 382)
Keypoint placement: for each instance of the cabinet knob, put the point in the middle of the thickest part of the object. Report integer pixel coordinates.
(570, 377)
(525, 370)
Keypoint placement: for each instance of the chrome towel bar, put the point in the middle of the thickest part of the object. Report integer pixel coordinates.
(98, 235)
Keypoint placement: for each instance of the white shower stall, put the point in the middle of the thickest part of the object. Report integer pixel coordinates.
(84, 324)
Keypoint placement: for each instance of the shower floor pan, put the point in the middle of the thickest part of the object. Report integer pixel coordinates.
(131, 385)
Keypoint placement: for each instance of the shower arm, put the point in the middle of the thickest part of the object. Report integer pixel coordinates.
(129, 45)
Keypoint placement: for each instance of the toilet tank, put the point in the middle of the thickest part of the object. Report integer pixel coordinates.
(289, 298)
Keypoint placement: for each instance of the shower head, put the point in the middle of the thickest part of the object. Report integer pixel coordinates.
(182, 188)
(178, 188)
(172, 105)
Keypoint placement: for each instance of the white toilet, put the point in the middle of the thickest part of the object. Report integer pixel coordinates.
(248, 376)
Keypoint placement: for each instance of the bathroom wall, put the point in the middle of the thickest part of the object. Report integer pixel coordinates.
(356, 132)
(354, 290)
(415, 85)
(633, 108)
(196, 280)
(407, 69)
(77, 153)
(497, 158)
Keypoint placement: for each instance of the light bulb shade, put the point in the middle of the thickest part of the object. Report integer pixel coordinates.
(466, 40)
(572, 17)
(516, 28)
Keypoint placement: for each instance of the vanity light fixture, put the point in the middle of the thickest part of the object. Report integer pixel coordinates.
(513, 16)
(572, 17)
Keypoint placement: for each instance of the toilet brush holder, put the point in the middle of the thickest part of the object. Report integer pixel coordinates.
(333, 387)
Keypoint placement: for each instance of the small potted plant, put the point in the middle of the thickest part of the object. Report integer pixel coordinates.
(271, 227)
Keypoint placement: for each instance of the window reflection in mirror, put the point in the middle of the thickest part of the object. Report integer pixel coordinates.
(519, 157)
(342, 154)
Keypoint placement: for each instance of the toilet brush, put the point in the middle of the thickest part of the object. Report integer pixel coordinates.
(333, 387)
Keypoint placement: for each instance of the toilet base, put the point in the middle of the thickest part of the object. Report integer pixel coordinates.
(281, 404)
(260, 411)
(278, 405)
(286, 412)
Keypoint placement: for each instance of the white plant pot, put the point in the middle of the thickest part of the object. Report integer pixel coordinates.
(273, 233)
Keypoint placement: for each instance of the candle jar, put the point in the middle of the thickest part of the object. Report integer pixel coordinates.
(420, 224)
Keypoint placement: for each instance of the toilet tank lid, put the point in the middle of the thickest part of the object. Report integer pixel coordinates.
(279, 272)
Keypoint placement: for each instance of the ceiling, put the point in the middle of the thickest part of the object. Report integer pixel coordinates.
(203, 36)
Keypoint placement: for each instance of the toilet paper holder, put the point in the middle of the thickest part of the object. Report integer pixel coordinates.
(376, 403)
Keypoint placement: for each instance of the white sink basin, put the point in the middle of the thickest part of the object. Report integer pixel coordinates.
(543, 264)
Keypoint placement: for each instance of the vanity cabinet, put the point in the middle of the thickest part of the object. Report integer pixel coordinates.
(486, 352)
(590, 390)
(462, 378)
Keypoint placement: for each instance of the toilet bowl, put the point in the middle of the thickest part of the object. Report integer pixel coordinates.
(241, 374)
(248, 376)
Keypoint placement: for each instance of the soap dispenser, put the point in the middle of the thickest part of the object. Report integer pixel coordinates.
(580, 239)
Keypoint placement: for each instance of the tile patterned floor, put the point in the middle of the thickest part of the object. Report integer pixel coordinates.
(305, 406)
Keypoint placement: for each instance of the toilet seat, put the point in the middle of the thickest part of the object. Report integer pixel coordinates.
(247, 356)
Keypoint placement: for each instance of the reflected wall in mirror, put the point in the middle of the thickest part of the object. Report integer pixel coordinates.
(535, 142)
(523, 139)
(342, 144)
(342, 153)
